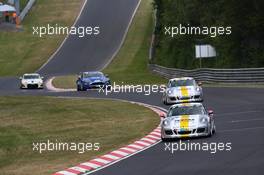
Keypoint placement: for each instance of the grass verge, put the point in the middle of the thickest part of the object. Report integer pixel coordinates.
(23, 4)
(130, 65)
(24, 52)
(25, 120)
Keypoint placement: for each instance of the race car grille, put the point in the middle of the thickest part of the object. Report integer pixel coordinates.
(184, 132)
(173, 98)
(200, 130)
(168, 132)
(197, 96)
(32, 86)
(184, 98)
(97, 84)
(181, 132)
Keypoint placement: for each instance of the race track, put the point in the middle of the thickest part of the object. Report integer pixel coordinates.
(238, 111)
(93, 52)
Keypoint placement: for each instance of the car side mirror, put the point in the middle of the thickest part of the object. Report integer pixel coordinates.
(210, 112)
(200, 83)
(20, 78)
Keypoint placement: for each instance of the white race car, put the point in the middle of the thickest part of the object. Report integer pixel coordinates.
(187, 120)
(181, 90)
(29, 81)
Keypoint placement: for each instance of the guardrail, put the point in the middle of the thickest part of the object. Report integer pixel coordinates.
(243, 75)
(26, 9)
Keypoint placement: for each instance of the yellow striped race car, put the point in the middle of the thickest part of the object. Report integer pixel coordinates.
(187, 120)
(180, 90)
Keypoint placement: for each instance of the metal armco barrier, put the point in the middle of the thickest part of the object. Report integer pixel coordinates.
(26, 9)
(243, 75)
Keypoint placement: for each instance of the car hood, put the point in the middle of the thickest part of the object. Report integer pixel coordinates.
(184, 121)
(183, 91)
(30, 80)
(94, 79)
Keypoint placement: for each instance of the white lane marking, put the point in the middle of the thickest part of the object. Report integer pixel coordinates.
(92, 165)
(241, 129)
(66, 173)
(101, 160)
(52, 56)
(123, 38)
(248, 120)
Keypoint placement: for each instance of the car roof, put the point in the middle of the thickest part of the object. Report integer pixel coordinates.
(187, 104)
(92, 72)
(182, 78)
(31, 74)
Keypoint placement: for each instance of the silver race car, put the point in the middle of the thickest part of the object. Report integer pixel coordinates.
(180, 90)
(187, 120)
(30, 81)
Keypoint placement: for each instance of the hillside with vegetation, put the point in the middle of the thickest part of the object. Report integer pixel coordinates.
(243, 48)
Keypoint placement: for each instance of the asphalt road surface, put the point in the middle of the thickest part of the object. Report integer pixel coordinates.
(93, 52)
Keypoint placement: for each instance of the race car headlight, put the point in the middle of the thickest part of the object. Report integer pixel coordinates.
(165, 123)
(203, 120)
(169, 91)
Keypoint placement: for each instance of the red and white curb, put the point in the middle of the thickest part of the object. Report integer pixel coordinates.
(50, 86)
(115, 156)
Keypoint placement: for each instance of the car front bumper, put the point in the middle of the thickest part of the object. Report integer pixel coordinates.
(95, 85)
(32, 86)
(169, 133)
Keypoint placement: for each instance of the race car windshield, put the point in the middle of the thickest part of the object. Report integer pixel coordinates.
(186, 110)
(177, 83)
(31, 76)
(89, 75)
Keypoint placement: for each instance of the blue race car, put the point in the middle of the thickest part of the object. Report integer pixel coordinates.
(91, 80)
